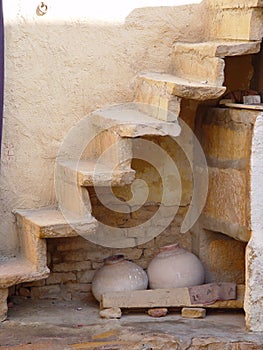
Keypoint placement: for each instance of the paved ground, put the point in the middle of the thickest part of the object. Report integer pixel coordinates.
(53, 325)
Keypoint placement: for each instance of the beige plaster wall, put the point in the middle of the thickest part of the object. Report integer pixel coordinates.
(63, 65)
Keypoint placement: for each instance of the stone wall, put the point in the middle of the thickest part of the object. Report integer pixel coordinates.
(221, 236)
(226, 137)
(65, 64)
(73, 262)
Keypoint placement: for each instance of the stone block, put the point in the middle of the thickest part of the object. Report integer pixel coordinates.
(114, 312)
(231, 4)
(238, 24)
(226, 145)
(227, 255)
(157, 312)
(222, 257)
(195, 312)
(227, 198)
(192, 64)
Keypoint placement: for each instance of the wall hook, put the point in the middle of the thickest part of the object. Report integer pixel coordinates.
(42, 9)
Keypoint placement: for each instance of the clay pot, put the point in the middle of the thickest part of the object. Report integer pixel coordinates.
(174, 267)
(118, 275)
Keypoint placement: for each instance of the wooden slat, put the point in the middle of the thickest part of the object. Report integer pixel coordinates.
(258, 107)
(178, 297)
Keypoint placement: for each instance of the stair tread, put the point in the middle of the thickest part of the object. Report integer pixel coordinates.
(184, 88)
(219, 48)
(52, 224)
(128, 121)
(17, 270)
(91, 172)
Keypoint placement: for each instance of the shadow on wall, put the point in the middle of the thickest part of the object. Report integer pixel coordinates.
(60, 67)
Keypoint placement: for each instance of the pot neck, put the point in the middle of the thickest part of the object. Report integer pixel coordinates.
(170, 248)
(114, 259)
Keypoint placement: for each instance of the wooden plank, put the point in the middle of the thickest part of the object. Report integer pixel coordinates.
(178, 297)
(258, 107)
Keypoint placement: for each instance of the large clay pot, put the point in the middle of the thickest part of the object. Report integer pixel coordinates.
(118, 274)
(174, 267)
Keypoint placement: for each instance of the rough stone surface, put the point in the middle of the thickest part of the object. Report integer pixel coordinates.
(238, 24)
(223, 257)
(113, 312)
(202, 62)
(159, 90)
(193, 312)
(157, 312)
(58, 325)
(227, 196)
(3, 303)
(254, 254)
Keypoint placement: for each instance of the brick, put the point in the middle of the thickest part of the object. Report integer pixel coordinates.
(72, 266)
(39, 283)
(46, 292)
(195, 312)
(57, 278)
(24, 292)
(86, 276)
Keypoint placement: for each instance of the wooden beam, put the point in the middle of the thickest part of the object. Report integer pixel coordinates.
(178, 297)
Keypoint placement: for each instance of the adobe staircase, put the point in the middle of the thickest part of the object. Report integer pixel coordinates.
(197, 73)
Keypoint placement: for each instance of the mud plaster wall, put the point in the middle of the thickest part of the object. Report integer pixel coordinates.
(60, 67)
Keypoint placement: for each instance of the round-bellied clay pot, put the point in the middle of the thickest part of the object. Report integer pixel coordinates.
(174, 267)
(117, 275)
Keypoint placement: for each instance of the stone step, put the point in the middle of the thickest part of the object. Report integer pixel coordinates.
(17, 270)
(165, 91)
(237, 3)
(92, 173)
(50, 223)
(236, 20)
(133, 120)
(204, 63)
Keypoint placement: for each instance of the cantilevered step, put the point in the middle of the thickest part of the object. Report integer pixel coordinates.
(50, 223)
(203, 62)
(130, 120)
(18, 270)
(92, 173)
(168, 84)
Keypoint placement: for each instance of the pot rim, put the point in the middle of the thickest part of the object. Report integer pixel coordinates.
(113, 259)
(169, 247)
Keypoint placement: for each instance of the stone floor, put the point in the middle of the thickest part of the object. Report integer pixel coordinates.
(54, 325)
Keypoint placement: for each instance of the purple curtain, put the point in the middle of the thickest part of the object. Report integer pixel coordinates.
(1, 71)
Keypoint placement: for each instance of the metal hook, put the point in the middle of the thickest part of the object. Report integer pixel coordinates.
(42, 9)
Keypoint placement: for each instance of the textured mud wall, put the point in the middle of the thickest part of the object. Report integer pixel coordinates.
(63, 65)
